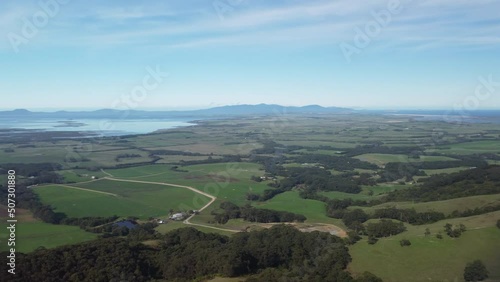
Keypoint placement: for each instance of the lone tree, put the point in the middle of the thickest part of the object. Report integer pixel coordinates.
(427, 232)
(405, 242)
(475, 271)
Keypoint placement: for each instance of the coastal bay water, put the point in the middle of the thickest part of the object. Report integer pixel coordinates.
(103, 127)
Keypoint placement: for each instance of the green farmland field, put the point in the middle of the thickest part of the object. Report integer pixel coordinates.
(31, 235)
(315, 211)
(382, 159)
(132, 199)
(471, 148)
(428, 258)
(446, 206)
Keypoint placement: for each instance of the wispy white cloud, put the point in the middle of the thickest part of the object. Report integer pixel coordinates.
(321, 22)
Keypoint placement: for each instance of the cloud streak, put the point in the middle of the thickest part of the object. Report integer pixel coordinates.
(321, 22)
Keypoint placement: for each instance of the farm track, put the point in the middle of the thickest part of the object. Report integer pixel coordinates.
(187, 220)
(85, 189)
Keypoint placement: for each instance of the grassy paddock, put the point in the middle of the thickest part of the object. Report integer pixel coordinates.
(31, 235)
(382, 159)
(315, 211)
(428, 258)
(132, 199)
(471, 147)
(446, 206)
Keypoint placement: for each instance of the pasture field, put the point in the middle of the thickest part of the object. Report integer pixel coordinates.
(79, 175)
(384, 188)
(494, 162)
(377, 190)
(226, 181)
(31, 235)
(382, 159)
(333, 135)
(320, 152)
(446, 206)
(341, 195)
(39, 154)
(152, 172)
(130, 199)
(173, 159)
(475, 147)
(315, 211)
(428, 258)
(112, 158)
(444, 170)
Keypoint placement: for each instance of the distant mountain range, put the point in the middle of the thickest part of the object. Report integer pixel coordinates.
(261, 109)
(236, 110)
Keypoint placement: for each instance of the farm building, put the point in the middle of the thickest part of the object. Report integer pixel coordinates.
(126, 223)
(178, 216)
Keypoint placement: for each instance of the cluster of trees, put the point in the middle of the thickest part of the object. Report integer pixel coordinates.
(400, 170)
(210, 160)
(36, 173)
(173, 153)
(139, 233)
(384, 228)
(340, 163)
(26, 199)
(405, 243)
(454, 231)
(354, 219)
(249, 213)
(270, 147)
(377, 148)
(75, 160)
(475, 271)
(187, 254)
(478, 181)
(273, 165)
(475, 211)
(87, 223)
(126, 156)
(396, 171)
(337, 204)
(311, 180)
(409, 215)
(30, 169)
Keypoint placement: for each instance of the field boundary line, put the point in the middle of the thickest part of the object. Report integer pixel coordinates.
(84, 189)
(167, 184)
(107, 173)
(187, 220)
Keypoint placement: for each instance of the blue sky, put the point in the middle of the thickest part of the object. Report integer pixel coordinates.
(365, 54)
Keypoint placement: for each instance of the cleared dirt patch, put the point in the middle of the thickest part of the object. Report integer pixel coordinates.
(303, 227)
(22, 215)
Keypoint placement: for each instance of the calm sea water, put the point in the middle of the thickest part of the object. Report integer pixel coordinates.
(104, 127)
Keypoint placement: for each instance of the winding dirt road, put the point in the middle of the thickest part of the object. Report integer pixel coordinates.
(110, 177)
(187, 220)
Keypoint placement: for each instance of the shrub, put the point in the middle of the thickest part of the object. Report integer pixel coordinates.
(475, 271)
(405, 242)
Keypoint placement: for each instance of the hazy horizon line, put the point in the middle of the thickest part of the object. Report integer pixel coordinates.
(195, 108)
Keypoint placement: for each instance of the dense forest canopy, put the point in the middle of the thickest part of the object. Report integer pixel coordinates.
(186, 254)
